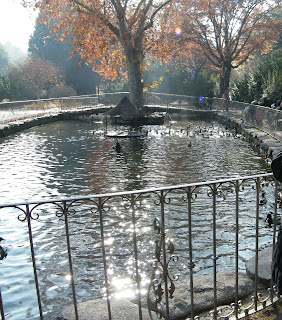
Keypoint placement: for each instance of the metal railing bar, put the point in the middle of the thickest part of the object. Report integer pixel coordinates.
(138, 278)
(65, 211)
(1, 307)
(142, 191)
(165, 269)
(237, 250)
(100, 208)
(275, 214)
(274, 234)
(214, 189)
(49, 99)
(191, 263)
(257, 241)
(28, 215)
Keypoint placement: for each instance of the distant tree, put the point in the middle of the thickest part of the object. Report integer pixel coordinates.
(5, 92)
(179, 78)
(267, 79)
(109, 34)
(242, 91)
(227, 32)
(19, 90)
(61, 90)
(15, 54)
(45, 45)
(277, 47)
(264, 80)
(4, 61)
(38, 75)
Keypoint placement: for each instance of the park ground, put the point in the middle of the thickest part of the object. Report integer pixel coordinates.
(273, 312)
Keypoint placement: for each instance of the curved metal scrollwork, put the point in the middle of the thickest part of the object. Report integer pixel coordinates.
(165, 198)
(108, 210)
(157, 226)
(269, 298)
(249, 307)
(162, 277)
(162, 281)
(227, 311)
(24, 214)
(221, 190)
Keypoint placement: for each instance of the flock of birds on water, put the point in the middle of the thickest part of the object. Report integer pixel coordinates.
(197, 131)
(207, 132)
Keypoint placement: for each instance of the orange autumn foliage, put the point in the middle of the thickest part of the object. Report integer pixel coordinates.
(112, 35)
(38, 74)
(225, 33)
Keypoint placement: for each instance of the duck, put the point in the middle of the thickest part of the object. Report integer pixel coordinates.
(117, 146)
(263, 199)
(270, 220)
(3, 252)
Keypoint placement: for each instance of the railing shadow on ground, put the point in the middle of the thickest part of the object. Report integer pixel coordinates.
(165, 249)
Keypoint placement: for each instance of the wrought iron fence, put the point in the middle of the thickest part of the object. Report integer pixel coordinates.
(29, 109)
(159, 248)
(263, 118)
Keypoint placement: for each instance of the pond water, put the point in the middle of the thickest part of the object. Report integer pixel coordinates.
(74, 158)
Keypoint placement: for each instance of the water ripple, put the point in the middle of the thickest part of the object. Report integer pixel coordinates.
(66, 159)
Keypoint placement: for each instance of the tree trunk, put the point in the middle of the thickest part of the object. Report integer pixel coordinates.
(135, 83)
(225, 79)
(37, 92)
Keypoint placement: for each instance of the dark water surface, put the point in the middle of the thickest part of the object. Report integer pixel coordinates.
(67, 159)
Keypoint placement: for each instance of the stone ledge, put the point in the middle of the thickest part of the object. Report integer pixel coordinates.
(97, 310)
(264, 266)
(180, 304)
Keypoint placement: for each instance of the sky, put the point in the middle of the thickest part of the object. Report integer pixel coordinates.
(16, 23)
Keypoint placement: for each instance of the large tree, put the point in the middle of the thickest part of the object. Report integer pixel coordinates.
(110, 34)
(228, 32)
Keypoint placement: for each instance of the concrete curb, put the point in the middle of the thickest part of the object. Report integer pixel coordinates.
(267, 144)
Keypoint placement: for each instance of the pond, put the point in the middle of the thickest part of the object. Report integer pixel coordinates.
(74, 158)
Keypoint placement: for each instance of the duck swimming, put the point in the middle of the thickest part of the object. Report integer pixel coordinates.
(263, 199)
(3, 252)
(117, 146)
(270, 220)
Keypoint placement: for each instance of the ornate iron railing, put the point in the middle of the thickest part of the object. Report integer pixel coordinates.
(154, 240)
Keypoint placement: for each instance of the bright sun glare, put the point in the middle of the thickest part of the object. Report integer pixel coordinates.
(178, 31)
(16, 23)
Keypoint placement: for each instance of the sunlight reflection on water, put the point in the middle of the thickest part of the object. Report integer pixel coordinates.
(66, 159)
